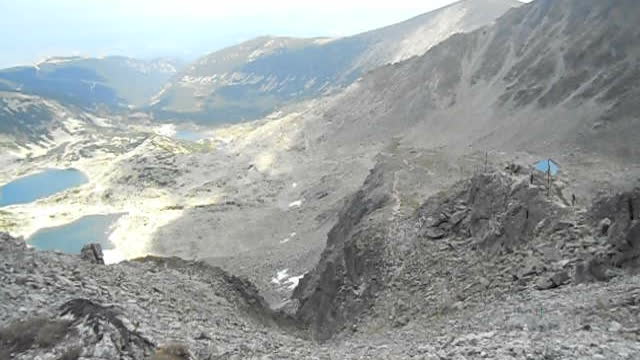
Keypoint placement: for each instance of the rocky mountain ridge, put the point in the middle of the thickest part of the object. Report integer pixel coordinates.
(453, 110)
(253, 79)
(498, 233)
(464, 275)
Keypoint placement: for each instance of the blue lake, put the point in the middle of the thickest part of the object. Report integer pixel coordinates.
(70, 238)
(41, 185)
(189, 135)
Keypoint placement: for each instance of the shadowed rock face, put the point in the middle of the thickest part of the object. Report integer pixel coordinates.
(351, 259)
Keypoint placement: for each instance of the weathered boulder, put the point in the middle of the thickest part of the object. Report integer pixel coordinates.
(556, 280)
(92, 253)
(590, 271)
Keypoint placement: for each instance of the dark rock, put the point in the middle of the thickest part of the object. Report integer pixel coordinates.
(590, 271)
(556, 280)
(321, 195)
(545, 283)
(560, 278)
(604, 226)
(105, 321)
(92, 253)
(458, 217)
(355, 248)
(435, 233)
(514, 168)
(7, 242)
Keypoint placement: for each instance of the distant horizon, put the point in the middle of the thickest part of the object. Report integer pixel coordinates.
(182, 30)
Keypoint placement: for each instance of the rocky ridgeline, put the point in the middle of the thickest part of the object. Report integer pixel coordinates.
(56, 305)
(498, 243)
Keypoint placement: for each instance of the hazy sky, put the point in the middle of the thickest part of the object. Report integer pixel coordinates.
(35, 29)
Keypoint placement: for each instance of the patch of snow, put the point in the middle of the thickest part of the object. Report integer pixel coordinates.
(168, 130)
(113, 256)
(280, 276)
(289, 238)
(295, 204)
(102, 122)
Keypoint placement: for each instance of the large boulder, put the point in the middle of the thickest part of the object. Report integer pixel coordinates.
(92, 253)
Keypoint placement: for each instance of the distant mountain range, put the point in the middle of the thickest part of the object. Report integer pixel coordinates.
(247, 81)
(113, 83)
(251, 80)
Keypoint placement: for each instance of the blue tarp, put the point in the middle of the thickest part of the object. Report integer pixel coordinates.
(548, 165)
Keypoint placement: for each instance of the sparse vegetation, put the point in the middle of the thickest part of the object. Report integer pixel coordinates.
(40, 332)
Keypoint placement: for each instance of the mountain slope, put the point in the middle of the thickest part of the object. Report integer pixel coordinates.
(252, 79)
(112, 82)
(550, 78)
(26, 119)
(473, 100)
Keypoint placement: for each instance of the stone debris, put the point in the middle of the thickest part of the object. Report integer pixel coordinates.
(384, 288)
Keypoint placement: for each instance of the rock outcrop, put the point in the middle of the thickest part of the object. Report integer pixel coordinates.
(616, 221)
(493, 236)
(351, 265)
(92, 253)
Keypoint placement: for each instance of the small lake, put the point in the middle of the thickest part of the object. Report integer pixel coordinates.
(189, 135)
(70, 238)
(41, 185)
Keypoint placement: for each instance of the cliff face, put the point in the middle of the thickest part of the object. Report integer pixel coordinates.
(351, 264)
